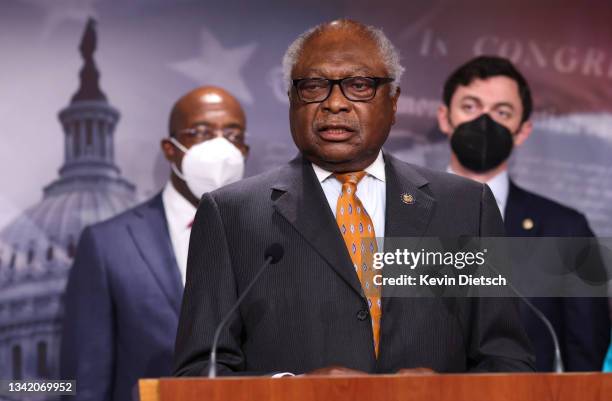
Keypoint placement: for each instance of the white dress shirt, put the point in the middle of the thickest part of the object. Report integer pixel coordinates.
(500, 186)
(371, 190)
(179, 215)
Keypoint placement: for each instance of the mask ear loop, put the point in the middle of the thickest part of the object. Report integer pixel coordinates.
(177, 172)
(179, 145)
(182, 149)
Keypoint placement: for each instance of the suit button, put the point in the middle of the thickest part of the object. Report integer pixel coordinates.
(362, 314)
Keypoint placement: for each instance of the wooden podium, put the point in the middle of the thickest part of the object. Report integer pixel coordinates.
(443, 387)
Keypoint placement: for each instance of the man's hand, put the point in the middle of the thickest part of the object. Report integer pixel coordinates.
(416, 371)
(335, 371)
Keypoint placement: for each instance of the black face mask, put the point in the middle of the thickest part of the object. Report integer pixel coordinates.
(481, 144)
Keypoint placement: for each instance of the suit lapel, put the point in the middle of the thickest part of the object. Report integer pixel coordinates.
(299, 198)
(150, 234)
(408, 207)
(408, 211)
(517, 220)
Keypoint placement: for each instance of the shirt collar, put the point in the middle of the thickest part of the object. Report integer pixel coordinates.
(178, 209)
(500, 186)
(376, 169)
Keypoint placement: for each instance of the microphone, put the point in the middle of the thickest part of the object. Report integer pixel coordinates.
(272, 255)
(557, 361)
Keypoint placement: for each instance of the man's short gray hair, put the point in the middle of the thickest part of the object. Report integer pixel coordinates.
(388, 52)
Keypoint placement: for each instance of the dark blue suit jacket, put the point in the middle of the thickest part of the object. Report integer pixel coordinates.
(122, 304)
(582, 324)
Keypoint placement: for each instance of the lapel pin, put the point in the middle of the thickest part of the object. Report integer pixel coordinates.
(527, 224)
(407, 199)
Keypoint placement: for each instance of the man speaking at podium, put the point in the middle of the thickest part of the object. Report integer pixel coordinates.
(308, 312)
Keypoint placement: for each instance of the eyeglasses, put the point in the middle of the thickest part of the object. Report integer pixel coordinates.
(201, 133)
(356, 89)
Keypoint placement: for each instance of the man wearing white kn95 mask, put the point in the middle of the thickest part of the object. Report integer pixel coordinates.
(206, 146)
(124, 292)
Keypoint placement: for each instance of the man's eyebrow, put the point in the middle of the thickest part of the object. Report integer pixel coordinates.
(358, 71)
(471, 97)
(495, 105)
(233, 125)
(198, 123)
(208, 124)
(504, 104)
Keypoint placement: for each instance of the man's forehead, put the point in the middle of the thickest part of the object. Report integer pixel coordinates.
(339, 52)
(337, 69)
(218, 113)
(497, 89)
(215, 112)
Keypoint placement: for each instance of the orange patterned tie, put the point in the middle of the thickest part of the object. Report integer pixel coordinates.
(358, 232)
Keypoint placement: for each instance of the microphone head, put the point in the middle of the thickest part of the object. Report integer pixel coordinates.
(274, 251)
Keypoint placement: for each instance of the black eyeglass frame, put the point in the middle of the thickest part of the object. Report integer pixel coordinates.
(378, 81)
(239, 137)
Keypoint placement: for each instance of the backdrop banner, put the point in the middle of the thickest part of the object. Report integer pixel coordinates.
(65, 165)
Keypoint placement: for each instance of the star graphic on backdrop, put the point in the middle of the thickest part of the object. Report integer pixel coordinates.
(276, 81)
(57, 12)
(218, 66)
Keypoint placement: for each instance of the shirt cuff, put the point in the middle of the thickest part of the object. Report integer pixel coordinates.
(284, 374)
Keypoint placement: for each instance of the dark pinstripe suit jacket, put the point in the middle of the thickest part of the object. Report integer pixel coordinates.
(307, 311)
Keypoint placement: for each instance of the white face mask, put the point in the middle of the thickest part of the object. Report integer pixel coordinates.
(209, 165)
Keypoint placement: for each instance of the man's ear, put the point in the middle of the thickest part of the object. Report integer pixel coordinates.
(168, 149)
(523, 133)
(394, 100)
(443, 120)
